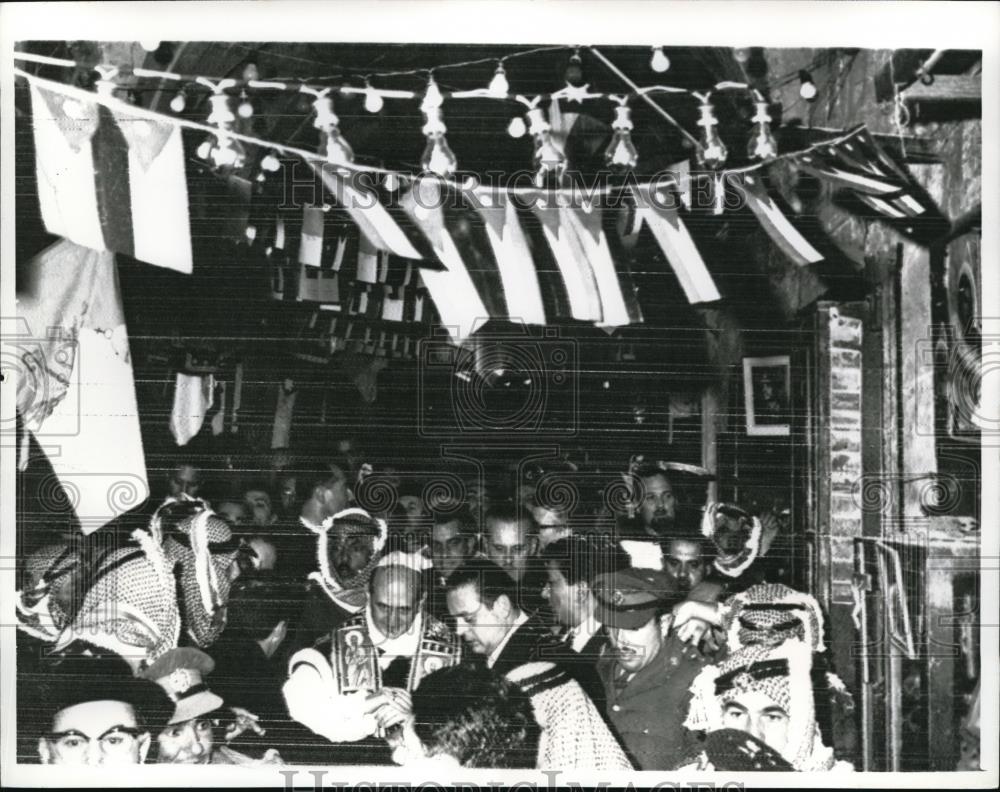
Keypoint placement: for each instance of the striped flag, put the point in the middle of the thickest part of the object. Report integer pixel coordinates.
(454, 294)
(677, 245)
(513, 257)
(364, 206)
(111, 180)
(574, 267)
(858, 164)
(614, 287)
(778, 227)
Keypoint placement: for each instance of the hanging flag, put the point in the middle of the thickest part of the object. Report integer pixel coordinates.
(111, 179)
(613, 287)
(311, 241)
(287, 394)
(75, 384)
(454, 294)
(219, 419)
(778, 227)
(193, 398)
(574, 268)
(858, 164)
(464, 227)
(365, 208)
(513, 257)
(677, 245)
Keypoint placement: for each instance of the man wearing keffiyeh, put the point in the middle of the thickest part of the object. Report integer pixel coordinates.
(766, 691)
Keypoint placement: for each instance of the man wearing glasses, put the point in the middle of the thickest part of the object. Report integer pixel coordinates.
(99, 719)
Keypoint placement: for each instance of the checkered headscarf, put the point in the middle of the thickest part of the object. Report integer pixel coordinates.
(132, 598)
(719, 515)
(770, 613)
(206, 550)
(38, 612)
(782, 673)
(350, 594)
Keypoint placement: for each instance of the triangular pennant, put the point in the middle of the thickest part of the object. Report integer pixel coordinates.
(146, 137)
(75, 117)
(363, 204)
(778, 227)
(677, 245)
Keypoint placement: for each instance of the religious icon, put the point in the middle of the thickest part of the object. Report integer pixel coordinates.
(357, 662)
(767, 385)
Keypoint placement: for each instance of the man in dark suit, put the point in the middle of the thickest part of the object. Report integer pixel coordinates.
(647, 677)
(572, 565)
(482, 598)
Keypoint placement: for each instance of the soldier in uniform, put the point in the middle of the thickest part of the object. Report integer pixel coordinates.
(646, 676)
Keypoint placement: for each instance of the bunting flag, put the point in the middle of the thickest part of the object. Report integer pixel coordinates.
(574, 267)
(365, 207)
(788, 239)
(111, 180)
(75, 384)
(859, 165)
(193, 398)
(454, 294)
(521, 289)
(618, 303)
(676, 244)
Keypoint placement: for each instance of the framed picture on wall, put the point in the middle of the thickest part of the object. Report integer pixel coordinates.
(767, 387)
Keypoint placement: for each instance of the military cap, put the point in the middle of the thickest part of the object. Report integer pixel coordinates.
(181, 672)
(629, 599)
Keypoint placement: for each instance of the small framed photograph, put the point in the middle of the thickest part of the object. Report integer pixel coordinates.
(767, 387)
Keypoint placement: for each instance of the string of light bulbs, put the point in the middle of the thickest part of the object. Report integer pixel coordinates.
(225, 148)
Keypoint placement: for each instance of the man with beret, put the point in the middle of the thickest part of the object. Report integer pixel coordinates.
(190, 733)
(98, 716)
(646, 676)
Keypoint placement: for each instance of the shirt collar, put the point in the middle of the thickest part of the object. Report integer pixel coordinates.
(495, 654)
(583, 632)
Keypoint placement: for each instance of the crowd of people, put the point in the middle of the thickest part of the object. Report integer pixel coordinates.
(297, 621)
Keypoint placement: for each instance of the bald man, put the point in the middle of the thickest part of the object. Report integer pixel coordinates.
(396, 639)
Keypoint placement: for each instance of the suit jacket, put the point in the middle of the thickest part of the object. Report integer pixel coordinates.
(524, 645)
(649, 713)
(581, 666)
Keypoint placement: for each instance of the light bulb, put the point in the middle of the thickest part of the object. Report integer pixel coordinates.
(250, 72)
(659, 62)
(574, 70)
(548, 158)
(391, 182)
(499, 87)
(150, 46)
(336, 150)
(712, 153)
(432, 96)
(271, 163)
(762, 145)
(230, 153)
(373, 101)
(437, 157)
(245, 109)
(516, 128)
(741, 54)
(179, 102)
(808, 88)
(621, 153)
(205, 149)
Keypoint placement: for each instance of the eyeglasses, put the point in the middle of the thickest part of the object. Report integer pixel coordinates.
(115, 741)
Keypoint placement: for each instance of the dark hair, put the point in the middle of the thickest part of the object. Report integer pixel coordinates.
(509, 512)
(82, 679)
(466, 522)
(648, 470)
(489, 580)
(584, 558)
(477, 716)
